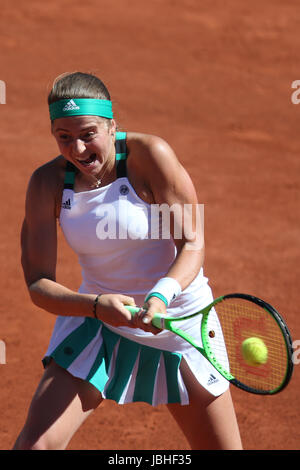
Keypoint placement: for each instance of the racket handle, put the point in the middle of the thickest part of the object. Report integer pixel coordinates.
(132, 310)
(157, 320)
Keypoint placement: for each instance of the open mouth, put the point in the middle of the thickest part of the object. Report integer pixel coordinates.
(88, 161)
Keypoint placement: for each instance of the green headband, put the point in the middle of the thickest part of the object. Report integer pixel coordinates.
(80, 107)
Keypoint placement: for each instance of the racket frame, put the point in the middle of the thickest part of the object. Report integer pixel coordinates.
(161, 321)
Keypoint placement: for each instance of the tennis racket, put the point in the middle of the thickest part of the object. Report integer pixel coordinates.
(240, 316)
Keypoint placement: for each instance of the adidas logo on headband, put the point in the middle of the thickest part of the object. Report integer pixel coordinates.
(70, 106)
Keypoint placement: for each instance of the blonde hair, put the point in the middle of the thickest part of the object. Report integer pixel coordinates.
(77, 85)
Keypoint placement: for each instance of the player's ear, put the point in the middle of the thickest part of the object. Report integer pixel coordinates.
(113, 127)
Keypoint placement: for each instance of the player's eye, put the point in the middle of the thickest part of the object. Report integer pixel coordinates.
(88, 135)
(64, 137)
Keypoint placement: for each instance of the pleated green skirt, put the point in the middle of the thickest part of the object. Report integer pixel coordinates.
(122, 370)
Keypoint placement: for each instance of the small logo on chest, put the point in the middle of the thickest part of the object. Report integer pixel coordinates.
(124, 189)
(66, 204)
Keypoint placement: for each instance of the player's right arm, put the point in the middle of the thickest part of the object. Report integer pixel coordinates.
(39, 235)
(39, 257)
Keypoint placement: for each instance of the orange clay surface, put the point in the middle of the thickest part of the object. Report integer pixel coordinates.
(213, 79)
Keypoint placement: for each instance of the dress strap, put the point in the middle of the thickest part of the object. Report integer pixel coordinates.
(69, 176)
(121, 154)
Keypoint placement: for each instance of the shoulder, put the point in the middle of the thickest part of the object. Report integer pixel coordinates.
(51, 170)
(153, 162)
(46, 183)
(151, 153)
(148, 145)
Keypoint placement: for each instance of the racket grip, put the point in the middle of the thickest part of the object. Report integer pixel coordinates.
(132, 310)
(157, 320)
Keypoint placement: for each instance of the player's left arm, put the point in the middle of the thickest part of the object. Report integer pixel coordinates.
(170, 184)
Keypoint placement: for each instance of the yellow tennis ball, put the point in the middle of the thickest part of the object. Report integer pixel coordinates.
(255, 352)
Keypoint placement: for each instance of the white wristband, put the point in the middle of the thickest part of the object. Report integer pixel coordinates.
(167, 289)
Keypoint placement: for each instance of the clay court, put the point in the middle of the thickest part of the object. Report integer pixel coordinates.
(214, 79)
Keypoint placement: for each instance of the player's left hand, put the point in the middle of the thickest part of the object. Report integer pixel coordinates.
(143, 319)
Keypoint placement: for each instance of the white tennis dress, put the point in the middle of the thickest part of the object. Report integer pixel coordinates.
(120, 249)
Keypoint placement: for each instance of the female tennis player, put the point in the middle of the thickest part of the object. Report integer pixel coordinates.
(110, 192)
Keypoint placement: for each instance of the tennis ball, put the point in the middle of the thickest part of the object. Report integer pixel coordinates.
(255, 352)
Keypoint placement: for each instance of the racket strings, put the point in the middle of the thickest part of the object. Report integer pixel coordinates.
(236, 321)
